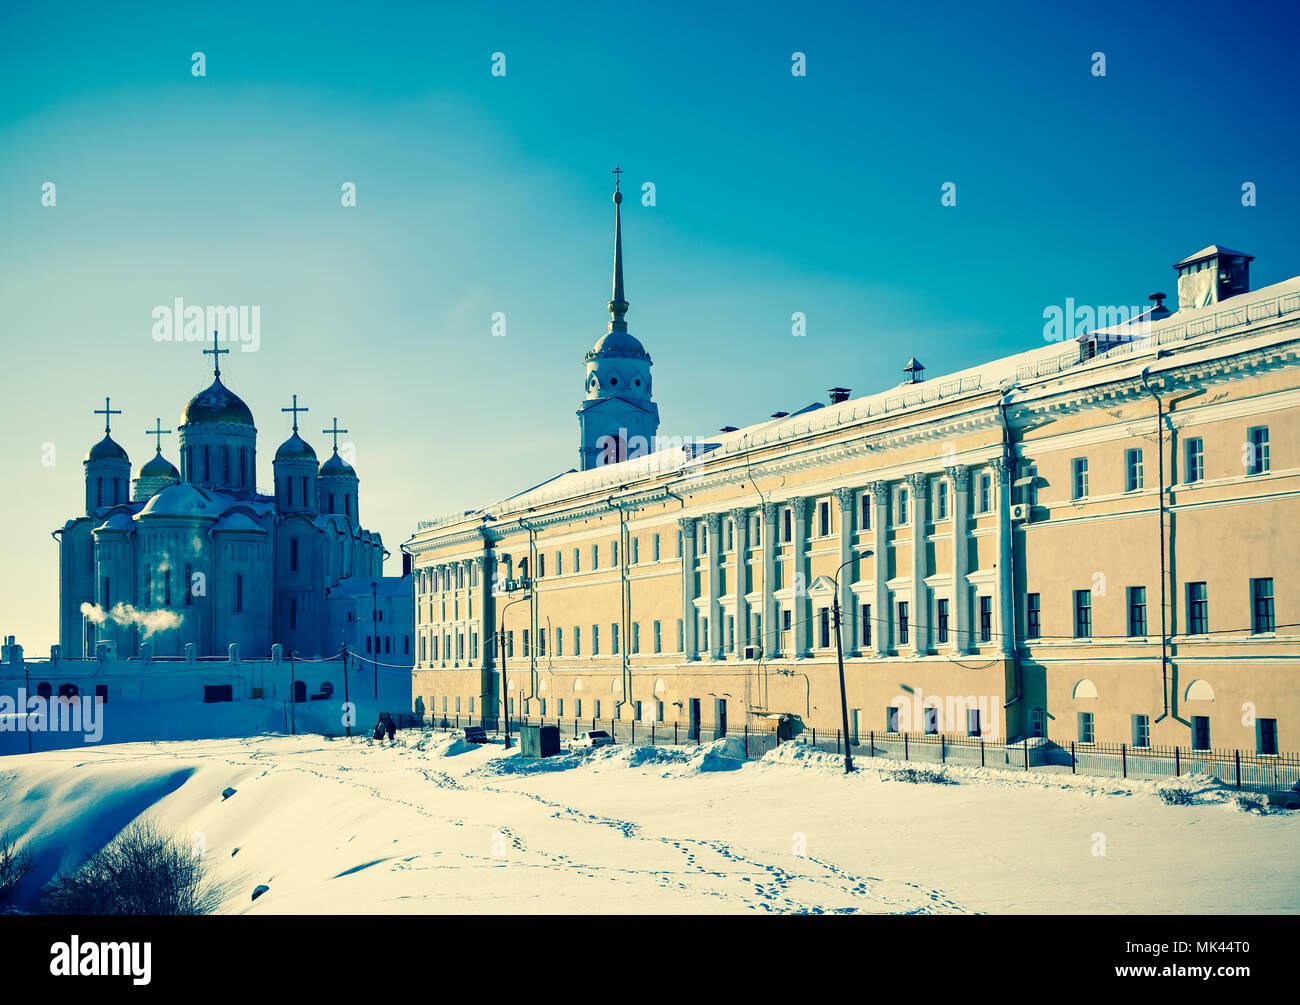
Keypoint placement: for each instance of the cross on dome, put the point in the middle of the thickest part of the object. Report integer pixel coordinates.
(107, 413)
(157, 433)
(215, 353)
(335, 432)
(295, 410)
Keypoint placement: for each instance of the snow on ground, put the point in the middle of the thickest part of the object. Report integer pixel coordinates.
(437, 825)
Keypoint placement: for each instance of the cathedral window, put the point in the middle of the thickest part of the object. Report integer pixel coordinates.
(288, 484)
(107, 604)
(304, 490)
(148, 586)
(293, 554)
(99, 492)
(239, 594)
(225, 465)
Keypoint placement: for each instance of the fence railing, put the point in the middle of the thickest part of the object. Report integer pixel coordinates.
(1245, 770)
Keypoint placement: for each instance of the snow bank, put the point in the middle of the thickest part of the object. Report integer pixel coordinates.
(1206, 790)
(726, 754)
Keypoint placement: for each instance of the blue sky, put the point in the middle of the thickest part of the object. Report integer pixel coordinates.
(479, 194)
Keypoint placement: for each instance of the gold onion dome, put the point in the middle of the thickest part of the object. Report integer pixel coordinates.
(159, 466)
(217, 403)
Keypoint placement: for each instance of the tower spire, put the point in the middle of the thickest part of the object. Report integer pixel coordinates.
(618, 302)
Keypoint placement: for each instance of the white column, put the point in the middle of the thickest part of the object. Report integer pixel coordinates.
(771, 623)
(802, 627)
(740, 521)
(686, 525)
(713, 523)
(882, 619)
(1006, 592)
(960, 476)
(844, 497)
(919, 484)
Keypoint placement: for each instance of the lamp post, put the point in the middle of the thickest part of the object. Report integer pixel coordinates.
(501, 654)
(839, 655)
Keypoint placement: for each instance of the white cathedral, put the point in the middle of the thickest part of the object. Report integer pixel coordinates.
(199, 556)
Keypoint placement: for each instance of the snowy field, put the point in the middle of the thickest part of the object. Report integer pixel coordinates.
(431, 825)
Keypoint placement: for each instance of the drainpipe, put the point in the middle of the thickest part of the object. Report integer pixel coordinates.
(1164, 575)
(1009, 455)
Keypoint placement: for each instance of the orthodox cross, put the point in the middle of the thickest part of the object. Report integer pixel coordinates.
(616, 172)
(335, 431)
(295, 410)
(215, 353)
(107, 413)
(157, 434)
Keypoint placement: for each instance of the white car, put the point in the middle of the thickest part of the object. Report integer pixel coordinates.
(592, 738)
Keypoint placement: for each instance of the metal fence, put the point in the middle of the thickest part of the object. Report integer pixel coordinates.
(1244, 770)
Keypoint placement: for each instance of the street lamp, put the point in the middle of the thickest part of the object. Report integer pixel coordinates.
(501, 654)
(839, 655)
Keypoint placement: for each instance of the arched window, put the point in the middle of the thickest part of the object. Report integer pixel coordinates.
(44, 690)
(68, 691)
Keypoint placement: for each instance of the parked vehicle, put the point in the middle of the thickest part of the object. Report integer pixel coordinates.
(1287, 799)
(592, 738)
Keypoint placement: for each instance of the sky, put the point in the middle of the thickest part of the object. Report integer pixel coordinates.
(482, 194)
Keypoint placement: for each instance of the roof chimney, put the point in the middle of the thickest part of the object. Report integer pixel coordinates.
(914, 372)
(1212, 274)
(1158, 309)
(839, 394)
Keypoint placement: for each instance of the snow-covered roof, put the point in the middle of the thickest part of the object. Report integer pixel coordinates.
(237, 521)
(1039, 363)
(1207, 252)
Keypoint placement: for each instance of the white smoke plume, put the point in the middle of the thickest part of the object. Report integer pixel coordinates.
(150, 622)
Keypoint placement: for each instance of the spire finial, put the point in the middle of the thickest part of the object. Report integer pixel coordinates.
(618, 302)
(215, 353)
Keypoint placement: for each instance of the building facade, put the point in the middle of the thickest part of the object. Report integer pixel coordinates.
(1093, 541)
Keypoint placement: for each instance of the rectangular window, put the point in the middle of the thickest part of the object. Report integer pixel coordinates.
(525, 641)
(577, 560)
(900, 507)
(986, 493)
(1137, 611)
(986, 619)
(559, 563)
(1029, 488)
(1132, 470)
(1083, 614)
(824, 518)
(577, 708)
(1266, 736)
(1087, 731)
(1080, 486)
(655, 547)
(681, 637)
(595, 640)
(824, 627)
(595, 557)
(1200, 732)
(541, 642)
(891, 719)
(1195, 459)
(1257, 454)
(577, 641)
(940, 499)
(658, 639)
(636, 550)
(239, 594)
(902, 623)
(1262, 620)
(787, 525)
(541, 565)
(865, 523)
(972, 722)
(636, 637)
(866, 625)
(559, 642)
(1198, 609)
(293, 554)
(1141, 730)
(942, 606)
(1033, 616)
(613, 639)
(510, 645)
(613, 554)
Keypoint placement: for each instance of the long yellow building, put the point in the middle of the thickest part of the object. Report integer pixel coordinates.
(1094, 540)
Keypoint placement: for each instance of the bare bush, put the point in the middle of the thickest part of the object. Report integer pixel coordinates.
(918, 776)
(141, 871)
(15, 864)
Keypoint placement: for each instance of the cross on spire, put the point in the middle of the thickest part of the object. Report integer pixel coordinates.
(107, 413)
(335, 432)
(157, 434)
(295, 410)
(618, 301)
(616, 172)
(215, 353)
